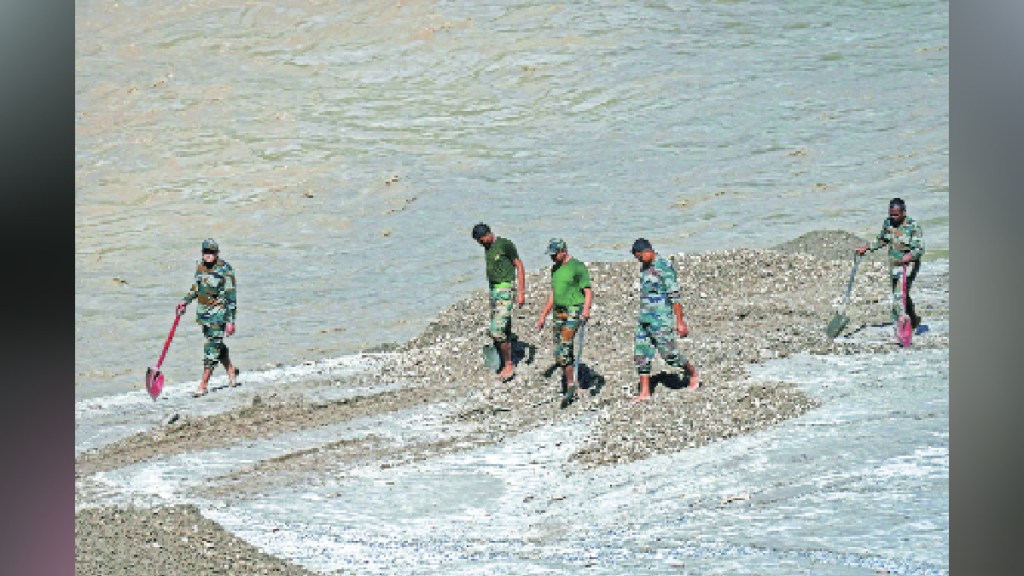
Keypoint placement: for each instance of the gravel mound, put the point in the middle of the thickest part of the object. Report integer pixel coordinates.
(825, 244)
(742, 307)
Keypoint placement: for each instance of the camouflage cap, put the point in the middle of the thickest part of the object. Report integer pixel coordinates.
(556, 245)
(211, 244)
(641, 244)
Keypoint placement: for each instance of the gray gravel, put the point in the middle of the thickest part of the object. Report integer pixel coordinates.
(742, 306)
(166, 541)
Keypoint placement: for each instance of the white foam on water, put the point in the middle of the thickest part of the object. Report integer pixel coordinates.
(859, 483)
(341, 366)
(451, 505)
(100, 421)
(819, 490)
(172, 479)
(926, 462)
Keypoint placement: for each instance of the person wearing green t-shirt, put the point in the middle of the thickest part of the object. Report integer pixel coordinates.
(569, 304)
(503, 268)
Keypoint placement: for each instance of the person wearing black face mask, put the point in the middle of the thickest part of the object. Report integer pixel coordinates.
(215, 290)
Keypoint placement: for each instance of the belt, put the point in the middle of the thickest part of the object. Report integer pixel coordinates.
(501, 285)
(652, 299)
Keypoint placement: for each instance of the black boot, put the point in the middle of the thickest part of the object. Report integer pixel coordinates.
(915, 320)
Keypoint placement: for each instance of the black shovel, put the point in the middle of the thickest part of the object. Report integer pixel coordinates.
(491, 357)
(570, 392)
(840, 320)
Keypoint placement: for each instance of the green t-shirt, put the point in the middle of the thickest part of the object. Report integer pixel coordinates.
(499, 257)
(568, 281)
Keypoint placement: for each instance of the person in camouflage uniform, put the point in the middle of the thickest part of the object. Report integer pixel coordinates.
(215, 290)
(503, 266)
(905, 240)
(569, 303)
(660, 319)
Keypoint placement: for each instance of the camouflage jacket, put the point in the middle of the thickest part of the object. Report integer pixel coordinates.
(908, 237)
(214, 291)
(659, 288)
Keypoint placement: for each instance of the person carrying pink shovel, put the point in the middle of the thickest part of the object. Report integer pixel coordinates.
(215, 293)
(905, 239)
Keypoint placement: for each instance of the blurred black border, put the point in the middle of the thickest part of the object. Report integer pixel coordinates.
(37, 205)
(987, 213)
(986, 209)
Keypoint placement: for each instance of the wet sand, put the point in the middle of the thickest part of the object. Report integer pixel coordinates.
(742, 306)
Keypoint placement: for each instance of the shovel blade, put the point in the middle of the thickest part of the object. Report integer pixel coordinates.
(904, 331)
(836, 325)
(569, 396)
(491, 357)
(154, 382)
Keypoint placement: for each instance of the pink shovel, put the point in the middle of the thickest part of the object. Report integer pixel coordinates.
(904, 327)
(155, 378)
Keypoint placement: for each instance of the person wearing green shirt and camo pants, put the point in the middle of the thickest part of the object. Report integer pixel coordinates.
(905, 239)
(503, 267)
(569, 304)
(215, 292)
(660, 318)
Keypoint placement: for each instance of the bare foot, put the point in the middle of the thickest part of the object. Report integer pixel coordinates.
(694, 380)
(506, 374)
(641, 398)
(199, 393)
(232, 376)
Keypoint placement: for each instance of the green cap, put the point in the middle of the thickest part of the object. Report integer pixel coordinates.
(211, 244)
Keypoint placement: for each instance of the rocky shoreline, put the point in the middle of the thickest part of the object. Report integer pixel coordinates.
(742, 306)
(167, 540)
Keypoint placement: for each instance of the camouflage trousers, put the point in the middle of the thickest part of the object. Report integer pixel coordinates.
(501, 313)
(565, 321)
(896, 275)
(656, 333)
(214, 349)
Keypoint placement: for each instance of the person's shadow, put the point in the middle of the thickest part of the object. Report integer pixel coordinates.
(227, 385)
(670, 380)
(523, 352)
(590, 380)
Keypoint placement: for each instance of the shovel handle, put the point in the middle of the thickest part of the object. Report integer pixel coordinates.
(904, 287)
(849, 286)
(167, 344)
(576, 360)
